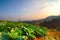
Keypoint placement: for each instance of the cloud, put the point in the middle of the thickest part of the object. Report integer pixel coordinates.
(33, 9)
(51, 9)
(41, 10)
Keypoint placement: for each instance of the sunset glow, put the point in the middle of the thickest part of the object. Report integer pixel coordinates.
(54, 9)
(28, 9)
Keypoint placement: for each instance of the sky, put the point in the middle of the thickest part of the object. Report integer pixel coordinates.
(28, 9)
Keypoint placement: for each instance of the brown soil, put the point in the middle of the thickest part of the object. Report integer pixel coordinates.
(50, 35)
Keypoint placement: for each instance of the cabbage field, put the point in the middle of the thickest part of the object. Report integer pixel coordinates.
(20, 31)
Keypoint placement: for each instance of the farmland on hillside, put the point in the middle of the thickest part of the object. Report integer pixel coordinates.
(10, 30)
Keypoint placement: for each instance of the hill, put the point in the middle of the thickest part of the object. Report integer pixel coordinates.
(49, 22)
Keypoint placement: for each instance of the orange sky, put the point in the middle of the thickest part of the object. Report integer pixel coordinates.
(50, 9)
(29, 9)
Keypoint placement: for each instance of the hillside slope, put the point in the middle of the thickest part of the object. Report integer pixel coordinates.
(49, 22)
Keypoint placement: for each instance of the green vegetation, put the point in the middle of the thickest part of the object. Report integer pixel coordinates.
(19, 31)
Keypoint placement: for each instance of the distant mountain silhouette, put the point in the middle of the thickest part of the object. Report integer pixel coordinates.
(51, 17)
(49, 22)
